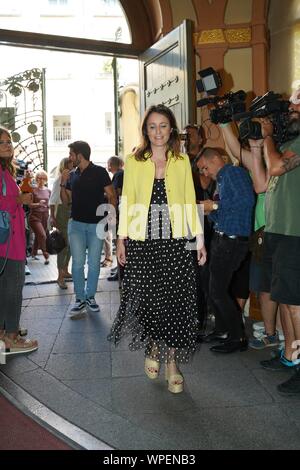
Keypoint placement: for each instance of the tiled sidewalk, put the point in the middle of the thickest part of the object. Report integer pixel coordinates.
(229, 402)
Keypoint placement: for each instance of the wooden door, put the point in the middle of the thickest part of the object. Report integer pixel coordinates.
(167, 74)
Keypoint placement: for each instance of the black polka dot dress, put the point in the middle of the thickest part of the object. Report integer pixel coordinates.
(158, 306)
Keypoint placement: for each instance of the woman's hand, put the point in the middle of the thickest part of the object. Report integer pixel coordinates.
(201, 250)
(121, 253)
(65, 176)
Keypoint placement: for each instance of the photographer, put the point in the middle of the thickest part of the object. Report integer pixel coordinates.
(281, 257)
(252, 159)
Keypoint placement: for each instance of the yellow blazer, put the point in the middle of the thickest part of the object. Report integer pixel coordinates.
(137, 191)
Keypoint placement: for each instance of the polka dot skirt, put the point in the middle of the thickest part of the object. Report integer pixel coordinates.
(158, 306)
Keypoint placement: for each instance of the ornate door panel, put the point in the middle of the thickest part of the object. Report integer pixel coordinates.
(166, 75)
(22, 105)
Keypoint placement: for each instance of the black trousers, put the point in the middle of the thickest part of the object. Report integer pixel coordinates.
(226, 255)
(11, 287)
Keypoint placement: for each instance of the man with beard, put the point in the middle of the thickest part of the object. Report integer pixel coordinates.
(281, 257)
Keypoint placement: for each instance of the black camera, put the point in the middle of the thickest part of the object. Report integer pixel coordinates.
(225, 106)
(183, 136)
(269, 105)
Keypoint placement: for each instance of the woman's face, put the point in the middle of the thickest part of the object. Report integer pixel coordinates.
(6, 147)
(41, 180)
(158, 130)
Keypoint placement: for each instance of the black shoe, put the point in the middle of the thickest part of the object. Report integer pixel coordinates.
(114, 277)
(292, 386)
(214, 336)
(199, 338)
(278, 363)
(231, 346)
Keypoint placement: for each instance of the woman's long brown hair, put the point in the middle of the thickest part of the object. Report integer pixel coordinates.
(7, 163)
(173, 142)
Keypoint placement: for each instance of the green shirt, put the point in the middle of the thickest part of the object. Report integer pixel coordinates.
(259, 217)
(283, 197)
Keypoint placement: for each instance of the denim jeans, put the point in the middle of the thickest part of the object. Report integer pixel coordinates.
(225, 258)
(85, 240)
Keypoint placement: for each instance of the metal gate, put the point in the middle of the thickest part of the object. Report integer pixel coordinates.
(22, 111)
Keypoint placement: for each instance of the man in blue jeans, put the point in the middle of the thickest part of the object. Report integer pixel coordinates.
(87, 184)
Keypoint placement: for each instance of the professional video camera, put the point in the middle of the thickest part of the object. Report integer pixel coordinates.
(231, 107)
(224, 106)
(270, 105)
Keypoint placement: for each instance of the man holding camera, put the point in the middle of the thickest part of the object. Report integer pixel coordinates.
(281, 257)
(253, 161)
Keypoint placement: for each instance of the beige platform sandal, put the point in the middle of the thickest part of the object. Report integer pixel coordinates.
(151, 368)
(175, 381)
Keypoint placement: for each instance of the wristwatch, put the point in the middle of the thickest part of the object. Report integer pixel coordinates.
(215, 206)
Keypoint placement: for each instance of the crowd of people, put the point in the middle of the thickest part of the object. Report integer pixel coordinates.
(196, 234)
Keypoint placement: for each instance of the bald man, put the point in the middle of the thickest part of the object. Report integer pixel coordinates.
(232, 218)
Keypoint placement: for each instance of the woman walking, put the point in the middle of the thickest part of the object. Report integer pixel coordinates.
(39, 213)
(158, 209)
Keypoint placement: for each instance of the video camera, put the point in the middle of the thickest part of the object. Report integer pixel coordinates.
(270, 105)
(232, 107)
(224, 106)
